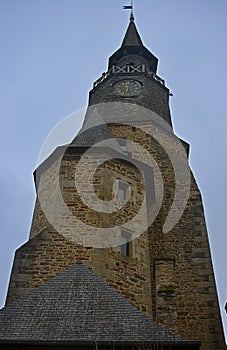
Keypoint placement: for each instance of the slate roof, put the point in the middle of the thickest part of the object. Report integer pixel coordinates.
(95, 130)
(132, 37)
(132, 44)
(77, 307)
(92, 135)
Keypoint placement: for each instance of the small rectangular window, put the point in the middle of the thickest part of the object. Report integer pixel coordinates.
(126, 244)
(123, 188)
(123, 144)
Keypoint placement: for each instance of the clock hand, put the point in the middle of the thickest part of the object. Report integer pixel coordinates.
(126, 88)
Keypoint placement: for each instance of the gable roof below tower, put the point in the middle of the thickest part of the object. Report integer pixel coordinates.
(77, 307)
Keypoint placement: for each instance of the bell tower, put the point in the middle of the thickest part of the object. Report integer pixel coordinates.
(132, 77)
(118, 212)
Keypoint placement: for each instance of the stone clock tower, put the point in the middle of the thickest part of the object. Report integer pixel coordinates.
(118, 253)
(133, 65)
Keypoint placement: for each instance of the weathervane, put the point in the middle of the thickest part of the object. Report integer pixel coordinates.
(130, 7)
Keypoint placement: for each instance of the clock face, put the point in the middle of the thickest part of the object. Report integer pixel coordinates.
(127, 88)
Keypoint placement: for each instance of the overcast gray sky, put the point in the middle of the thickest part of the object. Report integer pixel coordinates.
(51, 51)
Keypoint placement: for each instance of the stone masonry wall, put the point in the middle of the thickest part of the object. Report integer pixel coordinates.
(154, 95)
(48, 252)
(169, 275)
(184, 296)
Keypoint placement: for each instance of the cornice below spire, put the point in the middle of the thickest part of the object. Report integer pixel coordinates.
(132, 37)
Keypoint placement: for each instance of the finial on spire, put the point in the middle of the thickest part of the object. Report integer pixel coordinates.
(130, 7)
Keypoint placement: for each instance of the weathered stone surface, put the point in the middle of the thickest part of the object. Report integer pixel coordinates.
(166, 275)
(169, 276)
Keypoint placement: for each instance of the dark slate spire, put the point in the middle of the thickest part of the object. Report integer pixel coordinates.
(133, 45)
(132, 37)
